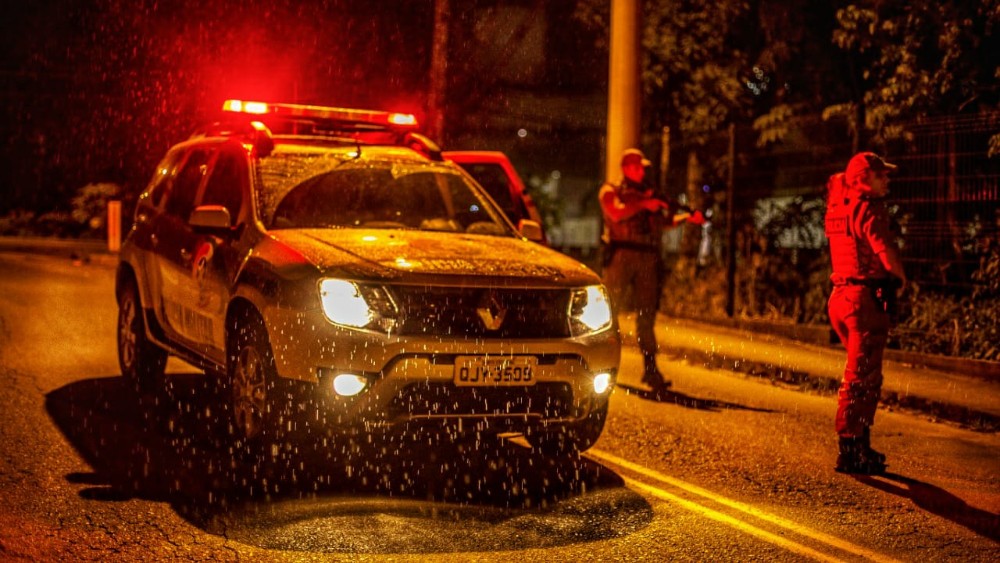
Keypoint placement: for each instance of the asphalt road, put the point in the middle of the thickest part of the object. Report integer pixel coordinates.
(726, 467)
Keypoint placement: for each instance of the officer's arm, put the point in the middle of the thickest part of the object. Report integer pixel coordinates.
(875, 228)
(617, 210)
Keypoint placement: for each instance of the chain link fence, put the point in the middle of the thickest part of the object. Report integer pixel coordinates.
(945, 202)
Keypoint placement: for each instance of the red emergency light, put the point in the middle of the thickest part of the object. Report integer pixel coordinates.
(390, 119)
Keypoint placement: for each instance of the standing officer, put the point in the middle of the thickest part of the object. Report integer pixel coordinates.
(867, 273)
(633, 222)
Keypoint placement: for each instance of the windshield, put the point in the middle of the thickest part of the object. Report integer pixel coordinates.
(311, 190)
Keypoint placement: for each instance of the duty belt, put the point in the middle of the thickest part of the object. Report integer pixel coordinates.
(867, 282)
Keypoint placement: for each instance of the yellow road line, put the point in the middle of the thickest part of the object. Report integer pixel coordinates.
(832, 541)
(734, 522)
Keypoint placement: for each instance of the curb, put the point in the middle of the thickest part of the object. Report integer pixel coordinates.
(820, 335)
(967, 417)
(83, 250)
(804, 380)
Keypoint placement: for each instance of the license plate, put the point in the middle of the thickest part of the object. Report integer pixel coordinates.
(484, 371)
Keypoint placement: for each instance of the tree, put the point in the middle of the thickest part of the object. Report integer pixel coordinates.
(916, 58)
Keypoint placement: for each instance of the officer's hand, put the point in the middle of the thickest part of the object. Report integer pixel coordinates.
(653, 204)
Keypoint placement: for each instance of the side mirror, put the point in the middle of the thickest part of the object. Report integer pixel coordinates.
(530, 230)
(210, 218)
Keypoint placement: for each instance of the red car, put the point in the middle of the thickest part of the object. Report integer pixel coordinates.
(493, 170)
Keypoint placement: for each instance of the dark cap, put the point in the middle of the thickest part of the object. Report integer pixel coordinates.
(634, 156)
(866, 161)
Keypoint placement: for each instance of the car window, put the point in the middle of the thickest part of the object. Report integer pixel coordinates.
(180, 201)
(225, 184)
(389, 196)
(494, 179)
(162, 178)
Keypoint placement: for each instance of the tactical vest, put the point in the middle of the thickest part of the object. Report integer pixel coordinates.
(643, 228)
(851, 254)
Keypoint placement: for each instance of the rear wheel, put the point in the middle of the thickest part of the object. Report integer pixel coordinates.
(141, 361)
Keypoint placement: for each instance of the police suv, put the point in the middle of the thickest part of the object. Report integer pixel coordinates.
(327, 265)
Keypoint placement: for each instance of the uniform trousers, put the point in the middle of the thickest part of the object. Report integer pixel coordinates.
(863, 327)
(640, 270)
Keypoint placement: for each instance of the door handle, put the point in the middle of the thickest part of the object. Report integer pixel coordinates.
(185, 255)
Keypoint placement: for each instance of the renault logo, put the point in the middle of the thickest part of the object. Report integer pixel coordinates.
(491, 312)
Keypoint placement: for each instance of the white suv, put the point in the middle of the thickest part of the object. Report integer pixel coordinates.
(324, 271)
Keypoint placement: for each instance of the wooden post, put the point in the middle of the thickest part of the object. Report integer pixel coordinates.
(114, 225)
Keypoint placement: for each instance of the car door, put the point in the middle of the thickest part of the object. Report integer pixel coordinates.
(148, 212)
(218, 253)
(174, 244)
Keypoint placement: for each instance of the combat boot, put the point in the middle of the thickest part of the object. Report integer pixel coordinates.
(651, 376)
(866, 443)
(854, 458)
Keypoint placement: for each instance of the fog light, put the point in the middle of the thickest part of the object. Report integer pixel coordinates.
(349, 384)
(602, 382)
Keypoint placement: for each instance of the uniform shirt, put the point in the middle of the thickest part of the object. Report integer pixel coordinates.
(858, 231)
(642, 228)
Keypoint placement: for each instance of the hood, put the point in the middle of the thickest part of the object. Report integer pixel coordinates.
(427, 257)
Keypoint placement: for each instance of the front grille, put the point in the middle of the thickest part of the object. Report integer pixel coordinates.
(454, 312)
(545, 399)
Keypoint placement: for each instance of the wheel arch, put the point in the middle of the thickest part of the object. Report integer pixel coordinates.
(240, 309)
(123, 275)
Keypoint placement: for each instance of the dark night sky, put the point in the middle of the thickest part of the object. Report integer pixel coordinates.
(97, 91)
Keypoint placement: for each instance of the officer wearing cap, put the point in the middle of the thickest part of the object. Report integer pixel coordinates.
(633, 222)
(867, 273)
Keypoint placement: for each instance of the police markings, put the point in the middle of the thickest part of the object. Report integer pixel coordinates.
(742, 521)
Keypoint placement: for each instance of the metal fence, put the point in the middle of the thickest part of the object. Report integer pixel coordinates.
(945, 196)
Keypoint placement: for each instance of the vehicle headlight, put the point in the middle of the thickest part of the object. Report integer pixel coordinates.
(357, 305)
(589, 311)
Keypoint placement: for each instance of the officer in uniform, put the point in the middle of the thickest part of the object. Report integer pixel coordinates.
(633, 222)
(867, 273)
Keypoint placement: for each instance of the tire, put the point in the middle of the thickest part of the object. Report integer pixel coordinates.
(141, 362)
(572, 439)
(251, 381)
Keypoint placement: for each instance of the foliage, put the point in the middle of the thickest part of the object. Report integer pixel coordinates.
(91, 202)
(17, 223)
(692, 68)
(85, 218)
(773, 126)
(914, 58)
(694, 293)
(953, 326)
(788, 245)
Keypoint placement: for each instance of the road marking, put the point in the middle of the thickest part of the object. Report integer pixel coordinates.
(827, 539)
(734, 522)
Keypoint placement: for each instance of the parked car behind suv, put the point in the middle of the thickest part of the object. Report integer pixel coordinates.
(494, 171)
(322, 270)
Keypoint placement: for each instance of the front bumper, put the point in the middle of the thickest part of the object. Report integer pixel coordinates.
(411, 379)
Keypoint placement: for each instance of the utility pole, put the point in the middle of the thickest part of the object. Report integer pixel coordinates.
(439, 71)
(624, 103)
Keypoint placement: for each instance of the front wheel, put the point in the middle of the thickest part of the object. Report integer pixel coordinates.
(141, 361)
(251, 382)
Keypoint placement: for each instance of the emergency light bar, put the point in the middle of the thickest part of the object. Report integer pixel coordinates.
(385, 118)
